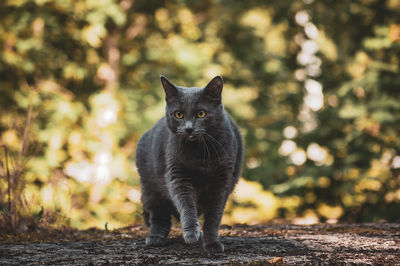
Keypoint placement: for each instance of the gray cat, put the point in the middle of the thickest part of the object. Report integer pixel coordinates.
(189, 163)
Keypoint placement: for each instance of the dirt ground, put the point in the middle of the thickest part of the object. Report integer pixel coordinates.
(250, 245)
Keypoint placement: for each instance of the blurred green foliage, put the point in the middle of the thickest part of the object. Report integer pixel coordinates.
(314, 86)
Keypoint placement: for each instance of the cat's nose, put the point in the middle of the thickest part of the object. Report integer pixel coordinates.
(189, 130)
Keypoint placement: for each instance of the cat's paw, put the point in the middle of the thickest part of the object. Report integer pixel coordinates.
(192, 236)
(156, 241)
(214, 247)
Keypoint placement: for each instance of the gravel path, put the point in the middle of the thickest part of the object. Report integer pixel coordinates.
(279, 244)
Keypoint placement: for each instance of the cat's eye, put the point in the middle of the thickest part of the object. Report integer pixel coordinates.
(178, 115)
(201, 114)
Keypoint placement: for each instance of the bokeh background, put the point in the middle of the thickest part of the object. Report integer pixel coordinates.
(314, 86)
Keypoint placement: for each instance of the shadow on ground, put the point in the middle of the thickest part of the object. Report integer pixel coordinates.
(268, 244)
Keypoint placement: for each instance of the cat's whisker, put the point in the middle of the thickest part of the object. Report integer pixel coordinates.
(216, 142)
(212, 142)
(203, 147)
(208, 152)
(218, 130)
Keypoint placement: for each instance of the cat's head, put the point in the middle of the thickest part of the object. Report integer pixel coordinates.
(193, 112)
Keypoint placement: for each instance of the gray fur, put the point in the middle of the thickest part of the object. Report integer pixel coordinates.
(189, 166)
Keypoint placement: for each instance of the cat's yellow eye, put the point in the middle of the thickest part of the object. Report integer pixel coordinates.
(201, 114)
(178, 115)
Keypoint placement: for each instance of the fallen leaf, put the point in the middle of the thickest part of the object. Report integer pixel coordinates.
(277, 260)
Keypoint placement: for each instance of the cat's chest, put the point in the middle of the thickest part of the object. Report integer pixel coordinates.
(200, 168)
(204, 166)
(201, 177)
(202, 156)
(198, 158)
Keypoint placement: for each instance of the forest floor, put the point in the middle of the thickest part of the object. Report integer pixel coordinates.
(251, 245)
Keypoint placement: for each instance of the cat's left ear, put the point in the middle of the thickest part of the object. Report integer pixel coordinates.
(214, 87)
(170, 90)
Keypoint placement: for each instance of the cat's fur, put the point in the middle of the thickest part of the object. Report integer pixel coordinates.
(189, 166)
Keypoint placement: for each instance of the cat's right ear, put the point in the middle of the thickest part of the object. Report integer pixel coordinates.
(214, 88)
(170, 90)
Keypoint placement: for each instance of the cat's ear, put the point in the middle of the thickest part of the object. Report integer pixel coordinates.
(214, 88)
(170, 90)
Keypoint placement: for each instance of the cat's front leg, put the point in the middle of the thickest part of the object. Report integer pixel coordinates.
(214, 207)
(183, 196)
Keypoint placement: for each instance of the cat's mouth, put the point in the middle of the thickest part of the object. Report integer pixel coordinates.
(191, 137)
